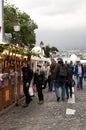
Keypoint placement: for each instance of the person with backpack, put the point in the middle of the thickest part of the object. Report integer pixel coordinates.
(27, 77)
(60, 75)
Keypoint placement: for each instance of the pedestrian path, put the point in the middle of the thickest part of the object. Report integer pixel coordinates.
(49, 116)
(70, 111)
(72, 100)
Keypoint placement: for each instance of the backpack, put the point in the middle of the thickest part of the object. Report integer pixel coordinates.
(63, 71)
(70, 71)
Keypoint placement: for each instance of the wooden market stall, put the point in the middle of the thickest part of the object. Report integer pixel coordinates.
(9, 90)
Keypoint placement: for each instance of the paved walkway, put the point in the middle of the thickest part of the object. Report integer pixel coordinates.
(52, 115)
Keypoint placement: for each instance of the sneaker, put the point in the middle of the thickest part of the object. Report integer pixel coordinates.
(63, 99)
(70, 96)
(25, 105)
(58, 98)
(67, 97)
(30, 100)
(41, 102)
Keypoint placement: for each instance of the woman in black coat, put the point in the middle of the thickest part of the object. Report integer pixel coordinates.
(39, 82)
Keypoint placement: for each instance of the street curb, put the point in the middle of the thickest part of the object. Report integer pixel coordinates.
(5, 110)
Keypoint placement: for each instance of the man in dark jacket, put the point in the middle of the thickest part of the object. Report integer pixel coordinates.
(70, 73)
(59, 81)
(27, 77)
(79, 73)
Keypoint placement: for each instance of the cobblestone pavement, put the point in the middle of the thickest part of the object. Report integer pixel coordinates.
(49, 116)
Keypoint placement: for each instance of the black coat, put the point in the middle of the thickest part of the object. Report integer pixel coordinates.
(27, 74)
(39, 78)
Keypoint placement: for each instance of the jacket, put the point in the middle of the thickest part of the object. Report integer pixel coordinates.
(76, 71)
(57, 78)
(39, 78)
(27, 74)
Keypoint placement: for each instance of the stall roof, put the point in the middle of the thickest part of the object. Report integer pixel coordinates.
(3, 43)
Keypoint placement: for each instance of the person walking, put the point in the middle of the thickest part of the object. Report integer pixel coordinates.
(59, 80)
(47, 75)
(69, 80)
(52, 67)
(27, 77)
(39, 79)
(79, 73)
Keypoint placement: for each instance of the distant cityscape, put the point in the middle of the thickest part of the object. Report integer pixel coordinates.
(67, 53)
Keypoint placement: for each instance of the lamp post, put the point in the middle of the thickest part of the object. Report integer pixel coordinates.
(16, 27)
(1, 20)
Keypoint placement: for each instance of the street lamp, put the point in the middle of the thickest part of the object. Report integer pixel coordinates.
(16, 27)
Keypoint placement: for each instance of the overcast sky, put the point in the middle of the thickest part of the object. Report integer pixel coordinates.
(61, 23)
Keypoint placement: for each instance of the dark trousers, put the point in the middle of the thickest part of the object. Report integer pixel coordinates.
(40, 93)
(45, 83)
(51, 82)
(68, 88)
(26, 92)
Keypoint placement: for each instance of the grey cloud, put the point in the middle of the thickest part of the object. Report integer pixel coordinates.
(67, 39)
(54, 7)
(74, 38)
(51, 7)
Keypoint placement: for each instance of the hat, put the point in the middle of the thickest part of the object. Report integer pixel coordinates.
(59, 59)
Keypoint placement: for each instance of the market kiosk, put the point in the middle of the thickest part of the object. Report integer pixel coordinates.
(9, 90)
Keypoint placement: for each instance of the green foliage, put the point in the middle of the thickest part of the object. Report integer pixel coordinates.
(3, 47)
(47, 51)
(50, 50)
(26, 34)
(54, 50)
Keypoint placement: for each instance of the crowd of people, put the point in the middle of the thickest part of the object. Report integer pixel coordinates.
(57, 75)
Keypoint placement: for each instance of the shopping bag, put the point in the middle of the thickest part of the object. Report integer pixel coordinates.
(31, 92)
(73, 83)
(34, 88)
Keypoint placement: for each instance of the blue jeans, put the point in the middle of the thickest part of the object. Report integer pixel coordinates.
(80, 82)
(57, 85)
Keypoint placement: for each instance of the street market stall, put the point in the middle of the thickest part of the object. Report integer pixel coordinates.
(11, 88)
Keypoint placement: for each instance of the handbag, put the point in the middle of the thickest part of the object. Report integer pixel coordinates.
(73, 83)
(34, 88)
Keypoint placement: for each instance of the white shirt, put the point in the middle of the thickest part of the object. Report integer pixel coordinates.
(80, 70)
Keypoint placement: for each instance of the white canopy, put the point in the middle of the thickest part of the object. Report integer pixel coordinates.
(41, 58)
(3, 43)
(36, 49)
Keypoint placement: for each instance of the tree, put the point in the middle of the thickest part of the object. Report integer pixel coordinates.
(50, 50)
(54, 50)
(26, 35)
